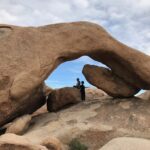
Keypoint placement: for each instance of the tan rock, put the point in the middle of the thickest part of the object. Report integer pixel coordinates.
(14, 142)
(52, 143)
(94, 93)
(63, 97)
(20, 125)
(94, 122)
(91, 94)
(127, 143)
(10, 110)
(28, 55)
(104, 79)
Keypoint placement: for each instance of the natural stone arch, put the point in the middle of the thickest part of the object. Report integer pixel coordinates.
(30, 54)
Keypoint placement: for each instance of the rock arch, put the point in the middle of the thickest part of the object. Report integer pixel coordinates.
(29, 55)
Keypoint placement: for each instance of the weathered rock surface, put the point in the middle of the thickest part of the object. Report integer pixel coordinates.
(11, 141)
(127, 143)
(59, 98)
(106, 80)
(19, 125)
(98, 119)
(91, 94)
(28, 55)
(11, 109)
(14, 142)
(52, 143)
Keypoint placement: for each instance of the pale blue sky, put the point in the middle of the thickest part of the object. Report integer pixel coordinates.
(126, 20)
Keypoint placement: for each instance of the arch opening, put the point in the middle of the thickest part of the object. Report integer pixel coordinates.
(66, 73)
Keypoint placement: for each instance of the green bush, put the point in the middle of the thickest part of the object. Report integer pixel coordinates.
(76, 145)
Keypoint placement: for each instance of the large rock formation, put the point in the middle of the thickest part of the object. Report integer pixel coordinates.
(107, 81)
(28, 55)
(94, 122)
(100, 118)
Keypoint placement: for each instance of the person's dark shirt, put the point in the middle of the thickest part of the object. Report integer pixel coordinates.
(82, 88)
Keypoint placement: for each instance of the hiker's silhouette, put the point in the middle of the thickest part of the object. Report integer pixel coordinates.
(78, 83)
(82, 91)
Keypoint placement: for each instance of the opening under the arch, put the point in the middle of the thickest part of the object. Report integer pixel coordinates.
(66, 73)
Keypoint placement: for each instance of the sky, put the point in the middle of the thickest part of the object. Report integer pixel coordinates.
(126, 20)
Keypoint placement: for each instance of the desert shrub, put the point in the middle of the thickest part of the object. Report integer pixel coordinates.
(75, 144)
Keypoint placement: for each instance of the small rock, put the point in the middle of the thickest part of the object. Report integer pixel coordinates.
(14, 142)
(52, 143)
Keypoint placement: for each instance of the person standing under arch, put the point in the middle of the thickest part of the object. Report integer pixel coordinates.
(82, 91)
